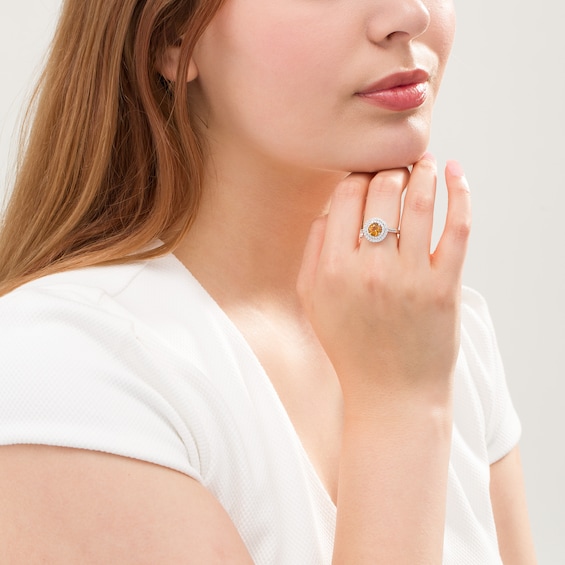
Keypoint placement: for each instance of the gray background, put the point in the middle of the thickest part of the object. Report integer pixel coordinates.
(502, 114)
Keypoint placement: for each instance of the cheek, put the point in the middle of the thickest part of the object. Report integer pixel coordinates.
(276, 79)
(442, 29)
(286, 67)
(269, 50)
(275, 82)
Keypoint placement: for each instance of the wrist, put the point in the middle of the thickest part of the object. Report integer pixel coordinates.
(401, 411)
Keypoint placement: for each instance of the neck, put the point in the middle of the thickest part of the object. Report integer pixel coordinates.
(249, 235)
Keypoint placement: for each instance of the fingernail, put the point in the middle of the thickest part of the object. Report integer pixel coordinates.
(455, 169)
(427, 155)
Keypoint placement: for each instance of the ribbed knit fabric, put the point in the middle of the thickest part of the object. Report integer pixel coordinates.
(138, 360)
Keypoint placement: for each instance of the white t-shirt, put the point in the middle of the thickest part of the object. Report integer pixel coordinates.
(138, 360)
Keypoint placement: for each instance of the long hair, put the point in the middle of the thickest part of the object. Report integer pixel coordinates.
(112, 159)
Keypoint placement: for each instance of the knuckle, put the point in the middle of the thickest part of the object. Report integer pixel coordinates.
(427, 165)
(445, 298)
(372, 280)
(461, 229)
(354, 186)
(319, 224)
(389, 182)
(421, 203)
(413, 292)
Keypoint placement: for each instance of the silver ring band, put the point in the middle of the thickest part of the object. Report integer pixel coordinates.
(376, 229)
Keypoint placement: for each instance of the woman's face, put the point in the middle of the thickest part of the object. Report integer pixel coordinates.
(343, 85)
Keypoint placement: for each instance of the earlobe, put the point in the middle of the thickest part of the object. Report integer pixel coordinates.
(192, 71)
(169, 64)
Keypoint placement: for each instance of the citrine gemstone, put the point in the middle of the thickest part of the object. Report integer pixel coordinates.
(375, 229)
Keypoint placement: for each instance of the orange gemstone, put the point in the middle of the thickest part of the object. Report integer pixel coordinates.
(375, 229)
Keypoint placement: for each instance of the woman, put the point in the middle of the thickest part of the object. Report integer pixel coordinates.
(218, 346)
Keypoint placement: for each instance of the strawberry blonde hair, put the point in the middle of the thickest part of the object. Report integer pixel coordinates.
(112, 159)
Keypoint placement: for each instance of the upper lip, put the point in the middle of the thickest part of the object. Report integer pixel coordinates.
(396, 80)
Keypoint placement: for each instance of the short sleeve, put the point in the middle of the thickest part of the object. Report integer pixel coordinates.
(74, 375)
(502, 425)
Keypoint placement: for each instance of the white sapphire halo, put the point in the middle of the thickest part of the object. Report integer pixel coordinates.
(376, 229)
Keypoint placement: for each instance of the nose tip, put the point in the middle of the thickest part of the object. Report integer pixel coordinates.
(397, 20)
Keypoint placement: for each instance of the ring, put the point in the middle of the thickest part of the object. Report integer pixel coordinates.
(375, 230)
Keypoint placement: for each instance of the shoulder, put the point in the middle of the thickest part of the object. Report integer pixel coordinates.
(66, 291)
(136, 360)
(57, 312)
(93, 300)
(76, 371)
(64, 316)
(90, 285)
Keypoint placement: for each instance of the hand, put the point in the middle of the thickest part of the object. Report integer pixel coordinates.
(387, 314)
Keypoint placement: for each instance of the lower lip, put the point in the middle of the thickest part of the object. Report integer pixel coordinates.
(398, 99)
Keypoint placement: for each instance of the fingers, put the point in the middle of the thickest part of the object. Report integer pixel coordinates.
(384, 200)
(418, 213)
(358, 198)
(451, 249)
(346, 211)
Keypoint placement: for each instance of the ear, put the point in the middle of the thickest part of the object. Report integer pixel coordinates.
(169, 64)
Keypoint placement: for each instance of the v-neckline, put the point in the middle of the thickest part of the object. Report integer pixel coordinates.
(232, 328)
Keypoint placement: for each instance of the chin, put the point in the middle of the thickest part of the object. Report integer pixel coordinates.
(393, 149)
(392, 158)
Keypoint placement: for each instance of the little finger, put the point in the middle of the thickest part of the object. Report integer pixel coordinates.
(452, 246)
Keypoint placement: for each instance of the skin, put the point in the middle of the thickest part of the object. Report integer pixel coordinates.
(289, 67)
(371, 332)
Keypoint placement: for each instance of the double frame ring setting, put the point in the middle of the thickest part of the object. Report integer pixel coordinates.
(376, 229)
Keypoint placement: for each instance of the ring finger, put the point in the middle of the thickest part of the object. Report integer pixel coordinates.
(382, 207)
